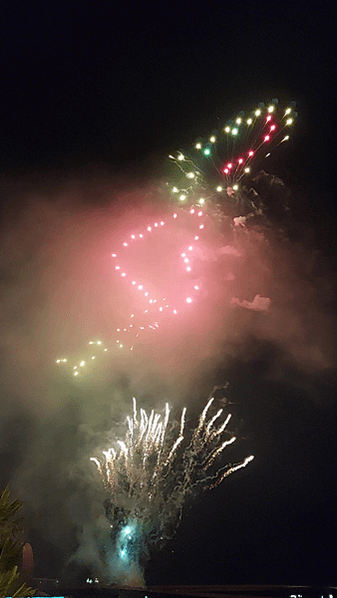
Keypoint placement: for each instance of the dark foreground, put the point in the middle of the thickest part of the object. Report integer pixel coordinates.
(51, 588)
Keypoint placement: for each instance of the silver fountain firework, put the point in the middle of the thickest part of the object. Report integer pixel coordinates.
(150, 474)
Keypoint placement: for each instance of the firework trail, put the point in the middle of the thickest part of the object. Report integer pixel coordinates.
(149, 476)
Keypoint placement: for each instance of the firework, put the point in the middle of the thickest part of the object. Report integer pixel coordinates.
(212, 176)
(157, 291)
(215, 168)
(96, 349)
(150, 474)
(165, 291)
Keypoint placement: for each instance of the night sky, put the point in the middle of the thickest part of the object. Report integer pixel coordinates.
(93, 98)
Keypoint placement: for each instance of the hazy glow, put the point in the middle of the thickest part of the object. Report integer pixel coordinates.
(150, 266)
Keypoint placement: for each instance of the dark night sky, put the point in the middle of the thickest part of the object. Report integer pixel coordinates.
(113, 88)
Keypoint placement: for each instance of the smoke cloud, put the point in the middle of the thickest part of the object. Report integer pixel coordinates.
(260, 284)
